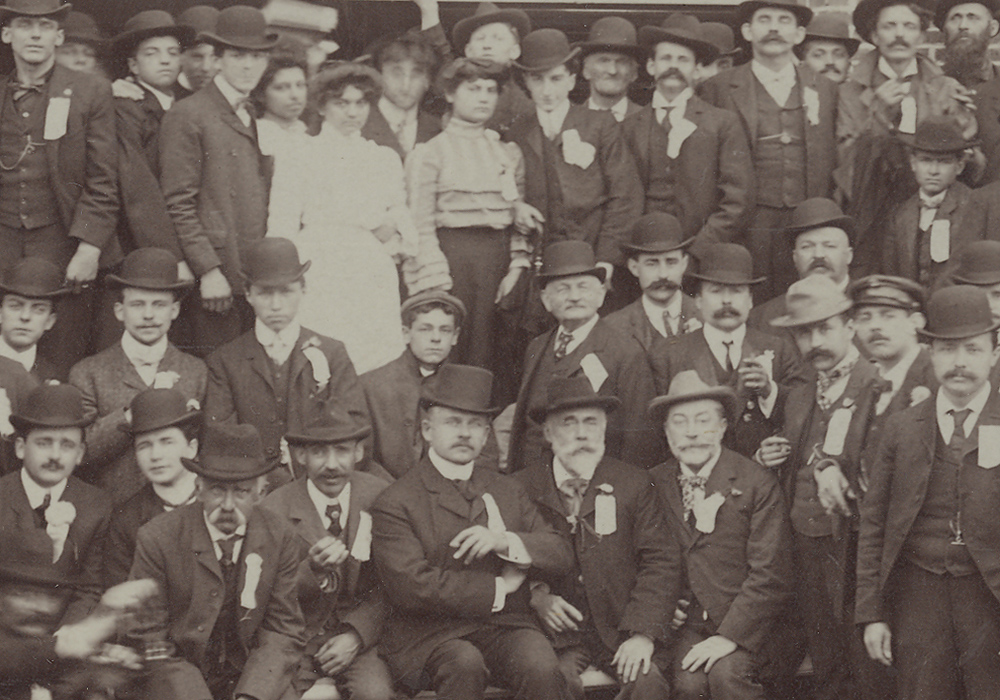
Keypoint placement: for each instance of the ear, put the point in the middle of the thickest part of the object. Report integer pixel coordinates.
(546, 300)
(994, 27)
(175, 310)
(19, 441)
(633, 266)
(745, 31)
(800, 35)
(650, 67)
(918, 320)
(50, 322)
(120, 311)
(6, 34)
(515, 52)
(359, 451)
(191, 451)
(133, 65)
(60, 37)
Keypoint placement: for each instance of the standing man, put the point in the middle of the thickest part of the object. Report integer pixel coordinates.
(721, 37)
(610, 57)
(198, 64)
(30, 296)
(788, 115)
(829, 47)
(927, 557)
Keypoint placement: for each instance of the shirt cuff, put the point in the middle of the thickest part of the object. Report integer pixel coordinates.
(517, 553)
(767, 405)
(500, 597)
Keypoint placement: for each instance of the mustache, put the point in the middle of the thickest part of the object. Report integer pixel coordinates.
(774, 36)
(817, 354)
(726, 312)
(901, 43)
(672, 73)
(665, 285)
(877, 336)
(831, 68)
(959, 374)
(819, 263)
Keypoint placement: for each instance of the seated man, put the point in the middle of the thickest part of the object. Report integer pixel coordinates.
(338, 590)
(453, 544)
(613, 609)
(30, 291)
(227, 574)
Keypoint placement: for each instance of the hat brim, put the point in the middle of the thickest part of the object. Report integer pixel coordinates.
(845, 223)
(659, 406)
(656, 248)
(228, 469)
(153, 285)
(942, 9)
(982, 279)
(639, 53)
(27, 294)
(162, 424)
(550, 64)
(269, 40)
(962, 332)
(852, 45)
(690, 281)
(40, 576)
(96, 42)
(910, 141)
(279, 279)
(608, 403)
(23, 424)
(126, 42)
(704, 51)
(428, 402)
(465, 27)
(598, 272)
(326, 437)
(791, 321)
(745, 10)
(59, 13)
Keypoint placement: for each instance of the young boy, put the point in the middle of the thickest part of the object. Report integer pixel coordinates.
(30, 291)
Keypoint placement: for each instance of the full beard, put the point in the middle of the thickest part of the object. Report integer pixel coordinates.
(964, 61)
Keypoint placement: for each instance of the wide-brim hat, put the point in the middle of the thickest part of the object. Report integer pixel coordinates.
(156, 409)
(566, 393)
(818, 212)
(461, 387)
(830, 26)
(148, 24)
(569, 259)
(149, 268)
(688, 386)
(866, 12)
(80, 28)
(958, 312)
(488, 13)
(887, 290)
(51, 406)
(201, 18)
(723, 263)
(34, 278)
(612, 35)
(745, 10)
(937, 135)
(330, 427)
(656, 232)
(543, 50)
(241, 27)
(943, 7)
(272, 262)
(721, 37)
(230, 452)
(34, 8)
(680, 28)
(435, 296)
(978, 264)
(811, 300)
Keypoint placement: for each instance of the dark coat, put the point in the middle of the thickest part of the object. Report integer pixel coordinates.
(632, 576)
(600, 202)
(434, 597)
(393, 395)
(15, 383)
(987, 100)
(126, 519)
(632, 320)
(741, 573)
(377, 129)
(713, 173)
(176, 551)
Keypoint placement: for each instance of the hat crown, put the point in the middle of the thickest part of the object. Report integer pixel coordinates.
(612, 30)
(657, 230)
(156, 408)
(462, 387)
(980, 261)
(231, 452)
(829, 24)
(35, 7)
(486, 8)
(148, 19)
(887, 290)
(544, 48)
(938, 134)
(687, 383)
(682, 22)
(816, 212)
(567, 257)
(243, 26)
(718, 35)
(270, 259)
(724, 261)
(52, 406)
(201, 18)
(80, 25)
(331, 426)
(960, 311)
(33, 278)
(155, 266)
(811, 294)
(431, 296)
(564, 390)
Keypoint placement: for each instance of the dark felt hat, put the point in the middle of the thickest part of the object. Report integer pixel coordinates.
(51, 406)
(568, 259)
(745, 10)
(565, 393)
(34, 8)
(149, 268)
(272, 262)
(147, 24)
(613, 35)
(34, 278)
(723, 263)
(937, 135)
(461, 387)
(241, 27)
(943, 7)
(684, 29)
(656, 232)
(720, 36)
(230, 452)
(958, 312)
(201, 18)
(330, 427)
(488, 13)
(435, 296)
(978, 264)
(22, 570)
(811, 300)
(831, 26)
(688, 386)
(866, 13)
(156, 409)
(543, 50)
(818, 212)
(80, 28)
(886, 290)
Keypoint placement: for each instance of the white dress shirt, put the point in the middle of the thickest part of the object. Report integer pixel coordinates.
(677, 106)
(579, 335)
(552, 122)
(655, 313)
(216, 534)
(25, 358)
(166, 101)
(717, 340)
(145, 358)
(946, 424)
(705, 471)
(402, 122)
(929, 204)
(779, 84)
(618, 110)
(236, 98)
(278, 346)
(321, 501)
(912, 69)
(36, 492)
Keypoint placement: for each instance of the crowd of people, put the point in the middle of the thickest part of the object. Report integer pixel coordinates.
(328, 378)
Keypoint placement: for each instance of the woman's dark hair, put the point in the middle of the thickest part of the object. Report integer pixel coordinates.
(331, 82)
(463, 70)
(276, 64)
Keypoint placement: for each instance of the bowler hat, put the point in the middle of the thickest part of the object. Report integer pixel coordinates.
(201, 18)
(488, 13)
(745, 10)
(720, 36)
(565, 393)
(818, 212)
(543, 50)
(958, 312)
(34, 278)
(51, 406)
(461, 387)
(723, 263)
(146, 24)
(229, 452)
(943, 7)
(330, 427)
(866, 13)
(435, 296)
(831, 26)
(885, 290)
(34, 8)
(20, 570)
(612, 35)
(272, 262)
(80, 28)
(684, 29)
(241, 27)
(149, 268)
(811, 300)
(156, 409)
(656, 232)
(568, 259)
(978, 264)
(937, 135)
(688, 386)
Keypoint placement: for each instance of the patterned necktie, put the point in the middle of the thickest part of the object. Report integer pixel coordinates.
(40, 520)
(228, 547)
(562, 344)
(572, 491)
(825, 380)
(690, 485)
(958, 434)
(333, 513)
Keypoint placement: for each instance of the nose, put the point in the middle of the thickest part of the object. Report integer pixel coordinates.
(228, 502)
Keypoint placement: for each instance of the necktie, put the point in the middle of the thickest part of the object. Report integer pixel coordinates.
(465, 488)
(691, 484)
(562, 344)
(572, 490)
(333, 513)
(666, 324)
(825, 380)
(228, 547)
(958, 435)
(40, 520)
(278, 351)
(242, 110)
(729, 355)
(663, 116)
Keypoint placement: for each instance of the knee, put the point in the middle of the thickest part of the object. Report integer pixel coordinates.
(372, 689)
(463, 660)
(732, 673)
(690, 686)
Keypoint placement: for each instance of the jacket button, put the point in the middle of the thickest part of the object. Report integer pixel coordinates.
(201, 628)
(214, 593)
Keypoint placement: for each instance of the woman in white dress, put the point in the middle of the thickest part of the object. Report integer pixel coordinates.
(343, 203)
(280, 99)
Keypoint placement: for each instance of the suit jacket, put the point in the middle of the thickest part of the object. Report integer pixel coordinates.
(670, 356)
(630, 108)
(83, 161)
(599, 203)
(83, 553)
(126, 519)
(630, 437)
(987, 100)
(109, 382)
(215, 182)
(357, 600)
(898, 488)
(632, 320)
(434, 597)
(377, 129)
(176, 551)
(631, 576)
(241, 387)
(740, 572)
(734, 90)
(44, 369)
(15, 383)
(713, 173)
(393, 395)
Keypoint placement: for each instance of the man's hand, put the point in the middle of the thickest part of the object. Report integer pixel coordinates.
(328, 554)
(635, 655)
(338, 652)
(428, 13)
(555, 612)
(130, 595)
(680, 614)
(707, 653)
(118, 655)
(507, 283)
(892, 92)
(527, 219)
(216, 294)
(833, 490)
(774, 451)
(753, 379)
(184, 273)
(82, 269)
(85, 638)
(878, 642)
(476, 542)
(513, 576)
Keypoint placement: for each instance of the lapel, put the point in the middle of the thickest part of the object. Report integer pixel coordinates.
(989, 416)
(925, 425)
(719, 481)
(689, 312)
(604, 474)
(227, 113)
(201, 542)
(129, 375)
(672, 492)
(353, 518)
(442, 493)
(703, 360)
(377, 129)
(427, 128)
(918, 374)
(909, 214)
(151, 106)
(255, 542)
(744, 95)
(302, 513)
(642, 327)
(298, 358)
(258, 359)
(949, 204)
(59, 85)
(541, 485)
(534, 134)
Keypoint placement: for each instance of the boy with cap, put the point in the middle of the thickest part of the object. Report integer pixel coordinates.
(610, 64)
(338, 590)
(83, 44)
(928, 595)
(30, 291)
(227, 572)
(198, 65)
(149, 300)
(828, 47)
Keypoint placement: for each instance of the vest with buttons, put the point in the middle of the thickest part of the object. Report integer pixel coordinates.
(281, 374)
(660, 187)
(780, 166)
(26, 196)
(808, 516)
(224, 654)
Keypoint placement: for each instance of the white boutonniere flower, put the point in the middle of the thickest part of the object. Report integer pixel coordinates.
(165, 380)
(6, 429)
(691, 325)
(919, 394)
(705, 511)
(361, 550)
(58, 517)
(810, 98)
(254, 564)
(318, 362)
(576, 151)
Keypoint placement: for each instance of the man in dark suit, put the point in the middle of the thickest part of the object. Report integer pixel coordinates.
(693, 158)
(658, 258)
(789, 116)
(731, 521)
(338, 590)
(215, 180)
(761, 368)
(613, 609)
(30, 290)
(227, 574)
(583, 344)
(149, 299)
(928, 591)
(453, 544)
(610, 64)
(276, 376)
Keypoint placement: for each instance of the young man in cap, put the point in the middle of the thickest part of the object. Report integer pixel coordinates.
(453, 544)
(736, 568)
(215, 180)
(828, 47)
(277, 375)
(658, 258)
(149, 300)
(721, 37)
(610, 64)
(164, 425)
(83, 44)
(572, 290)
(928, 595)
(693, 158)
(818, 457)
(198, 64)
(30, 293)
(613, 610)
(227, 572)
(789, 116)
(338, 590)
